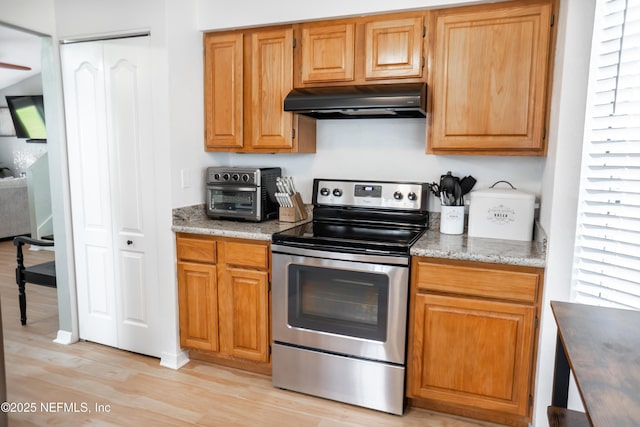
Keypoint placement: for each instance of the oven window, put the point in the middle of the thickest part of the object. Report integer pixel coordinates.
(232, 200)
(342, 302)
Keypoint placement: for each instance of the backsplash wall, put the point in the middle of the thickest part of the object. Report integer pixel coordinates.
(386, 149)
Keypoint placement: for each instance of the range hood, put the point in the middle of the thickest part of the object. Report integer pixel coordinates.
(353, 102)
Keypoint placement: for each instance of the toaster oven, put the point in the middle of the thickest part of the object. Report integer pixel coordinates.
(238, 193)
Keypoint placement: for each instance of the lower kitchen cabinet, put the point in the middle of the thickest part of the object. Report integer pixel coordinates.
(198, 300)
(473, 337)
(223, 296)
(244, 314)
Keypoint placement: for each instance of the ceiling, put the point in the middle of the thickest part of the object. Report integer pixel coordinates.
(19, 48)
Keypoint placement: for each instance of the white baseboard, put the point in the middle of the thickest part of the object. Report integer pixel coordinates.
(174, 361)
(64, 337)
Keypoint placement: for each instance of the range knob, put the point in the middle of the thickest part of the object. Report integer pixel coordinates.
(235, 177)
(216, 176)
(324, 191)
(225, 176)
(337, 192)
(397, 195)
(412, 196)
(245, 177)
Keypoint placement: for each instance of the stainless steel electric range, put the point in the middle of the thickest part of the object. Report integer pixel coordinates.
(340, 292)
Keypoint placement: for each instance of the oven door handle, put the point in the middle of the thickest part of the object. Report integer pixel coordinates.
(231, 187)
(344, 256)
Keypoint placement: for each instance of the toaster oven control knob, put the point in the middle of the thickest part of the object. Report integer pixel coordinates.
(412, 196)
(397, 195)
(324, 191)
(245, 177)
(235, 177)
(337, 192)
(225, 176)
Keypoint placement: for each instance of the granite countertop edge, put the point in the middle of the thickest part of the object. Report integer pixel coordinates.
(479, 256)
(193, 219)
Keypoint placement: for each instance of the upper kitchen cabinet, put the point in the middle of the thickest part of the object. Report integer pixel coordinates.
(327, 52)
(490, 79)
(247, 76)
(356, 51)
(224, 95)
(393, 48)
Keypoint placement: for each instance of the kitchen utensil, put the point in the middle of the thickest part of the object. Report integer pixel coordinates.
(467, 183)
(435, 189)
(284, 199)
(290, 198)
(447, 184)
(457, 195)
(292, 187)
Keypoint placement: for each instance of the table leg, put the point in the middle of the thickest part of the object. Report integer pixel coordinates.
(560, 395)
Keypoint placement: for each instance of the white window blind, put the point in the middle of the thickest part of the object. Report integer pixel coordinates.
(607, 254)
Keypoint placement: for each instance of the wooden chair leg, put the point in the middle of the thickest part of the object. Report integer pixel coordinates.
(22, 298)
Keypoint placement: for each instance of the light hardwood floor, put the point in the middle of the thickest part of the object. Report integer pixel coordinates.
(118, 388)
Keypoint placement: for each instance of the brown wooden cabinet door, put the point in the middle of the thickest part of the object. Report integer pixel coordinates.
(198, 306)
(393, 48)
(477, 353)
(223, 86)
(244, 314)
(490, 79)
(328, 52)
(271, 81)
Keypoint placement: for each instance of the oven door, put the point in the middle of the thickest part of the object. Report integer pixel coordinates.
(354, 306)
(233, 201)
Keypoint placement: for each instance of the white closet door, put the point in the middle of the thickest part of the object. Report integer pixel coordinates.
(109, 124)
(85, 112)
(129, 126)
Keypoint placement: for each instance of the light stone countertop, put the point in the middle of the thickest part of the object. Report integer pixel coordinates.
(464, 248)
(496, 251)
(193, 219)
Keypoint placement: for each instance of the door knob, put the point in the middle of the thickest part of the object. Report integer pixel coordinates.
(129, 242)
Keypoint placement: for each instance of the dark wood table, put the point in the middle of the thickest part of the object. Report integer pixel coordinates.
(601, 346)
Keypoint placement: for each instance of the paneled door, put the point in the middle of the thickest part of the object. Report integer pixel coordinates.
(107, 95)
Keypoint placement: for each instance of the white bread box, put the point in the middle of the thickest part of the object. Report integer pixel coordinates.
(501, 213)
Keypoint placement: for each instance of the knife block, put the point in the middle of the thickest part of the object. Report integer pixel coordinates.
(293, 214)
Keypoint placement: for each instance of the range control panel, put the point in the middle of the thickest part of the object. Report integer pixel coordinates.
(374, 194)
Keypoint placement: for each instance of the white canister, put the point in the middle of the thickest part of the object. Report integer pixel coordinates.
(452, 219)
(501, 213)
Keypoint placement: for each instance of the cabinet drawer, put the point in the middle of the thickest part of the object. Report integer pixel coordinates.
(196, 249)
(478, 281)
(246, 254)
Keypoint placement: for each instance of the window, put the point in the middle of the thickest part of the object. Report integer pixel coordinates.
(607, 253)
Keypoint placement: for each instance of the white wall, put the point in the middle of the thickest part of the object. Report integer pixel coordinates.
(247, 13)
(392, 149)
(33, 15)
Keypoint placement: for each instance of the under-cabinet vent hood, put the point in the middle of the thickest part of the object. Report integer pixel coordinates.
(353, 102)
